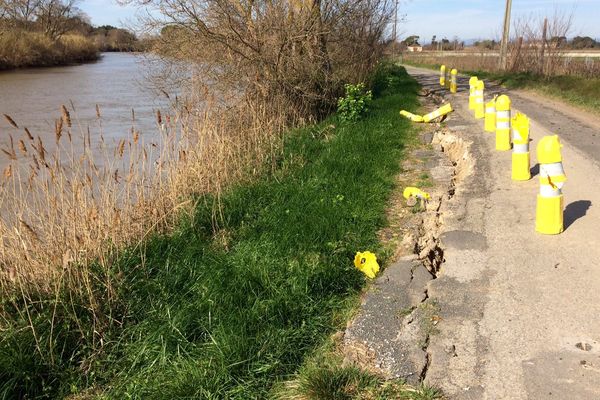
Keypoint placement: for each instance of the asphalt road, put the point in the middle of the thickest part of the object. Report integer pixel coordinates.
(519, 310)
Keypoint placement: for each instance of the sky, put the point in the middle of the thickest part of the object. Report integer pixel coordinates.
(483, 19)
(467, 19)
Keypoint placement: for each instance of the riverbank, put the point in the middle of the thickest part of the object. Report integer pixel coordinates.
(237, 299)
(575, 90)
(23, 49)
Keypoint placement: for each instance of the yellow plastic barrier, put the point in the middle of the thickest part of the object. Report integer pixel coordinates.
(550, 202)
(490, 116)
(472, 81)
(520, 153)
(443, 76)
(415, 192)
(453, 81)
(503, 123)
(479, 103)
(446, 109)
(366, 262)
(411, 116)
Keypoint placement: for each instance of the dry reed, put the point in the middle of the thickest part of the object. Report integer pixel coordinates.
(67, 213)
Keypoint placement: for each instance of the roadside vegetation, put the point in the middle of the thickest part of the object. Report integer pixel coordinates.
(213, 258)
(39, 33)
(232, 302)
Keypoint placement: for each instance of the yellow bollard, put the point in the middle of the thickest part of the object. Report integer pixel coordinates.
(443, 76)
(366, 262)
(550, 202)
(411, 116)
(443, 110)
(520, 154)
(479, 103)
(503, 123)
(412, 191)
(490, 116)
(472, 81)
(453, 83)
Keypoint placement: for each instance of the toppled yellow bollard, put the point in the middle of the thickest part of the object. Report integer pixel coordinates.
(440, 112)
(412, 194)
(366, 262)
(411, 116)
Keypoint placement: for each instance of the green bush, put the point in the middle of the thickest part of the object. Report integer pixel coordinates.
(356, 103)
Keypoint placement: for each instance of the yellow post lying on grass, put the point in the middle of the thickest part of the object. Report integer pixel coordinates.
(412, 191)
(550, 202)
(440, 112)
(453, 81)
(366, 262)
(472, 81)
(503, 123)
(520, 153)
(411, 116)
(490, 116)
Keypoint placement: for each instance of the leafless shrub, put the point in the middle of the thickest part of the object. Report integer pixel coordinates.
(297, 53)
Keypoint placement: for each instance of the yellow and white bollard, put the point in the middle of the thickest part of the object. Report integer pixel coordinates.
(503, 123)
(472, 81)
(520, 153)
(490, 116)
(411, 116)
(479, 102)
(443, 76)
(453, 82)
(440, 112)
(550, 202)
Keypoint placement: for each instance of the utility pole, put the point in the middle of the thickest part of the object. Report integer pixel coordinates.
(395, 22)
(505, 34)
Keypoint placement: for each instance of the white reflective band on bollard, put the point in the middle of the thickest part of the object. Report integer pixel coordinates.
(490, 110)
(520, 148)
(503, 124)
(516, 135)
(550, 170)
(549, 191)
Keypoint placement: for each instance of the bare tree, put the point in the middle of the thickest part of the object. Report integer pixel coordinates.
(19, 10)
(293, 51)
(54, 16)
(532, 50)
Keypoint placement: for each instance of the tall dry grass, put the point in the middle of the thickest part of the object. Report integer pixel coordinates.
(20, 48)
(67, 214)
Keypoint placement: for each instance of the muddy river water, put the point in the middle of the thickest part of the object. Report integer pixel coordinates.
(118, 83)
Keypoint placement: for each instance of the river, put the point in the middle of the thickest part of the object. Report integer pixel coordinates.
(117, 83)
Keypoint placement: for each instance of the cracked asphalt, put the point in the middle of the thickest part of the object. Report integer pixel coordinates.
(519, 310)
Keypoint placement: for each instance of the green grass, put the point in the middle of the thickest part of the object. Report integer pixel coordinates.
(575, 90)
(231, 306)
(323, 377)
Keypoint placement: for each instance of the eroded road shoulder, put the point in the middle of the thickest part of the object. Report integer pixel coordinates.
(517, 310)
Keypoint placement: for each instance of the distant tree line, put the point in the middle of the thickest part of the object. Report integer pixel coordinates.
(577, 43)
(55, 18)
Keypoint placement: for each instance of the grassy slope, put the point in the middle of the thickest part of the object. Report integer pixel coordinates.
(232, 314)
(575, 90)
